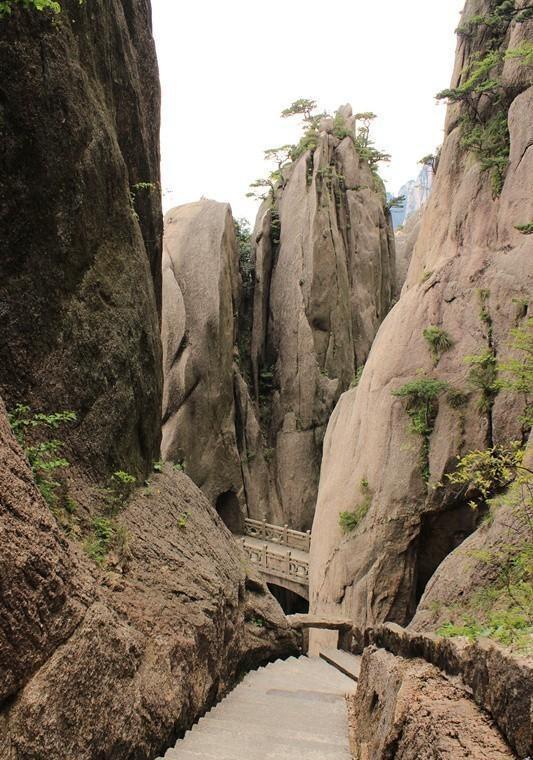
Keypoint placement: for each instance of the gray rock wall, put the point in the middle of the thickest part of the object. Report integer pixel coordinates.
(468, 249)
(81, 240)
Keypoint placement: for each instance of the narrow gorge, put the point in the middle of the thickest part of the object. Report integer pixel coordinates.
(265, 491)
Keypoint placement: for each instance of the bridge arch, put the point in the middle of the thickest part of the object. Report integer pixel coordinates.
(292, 600)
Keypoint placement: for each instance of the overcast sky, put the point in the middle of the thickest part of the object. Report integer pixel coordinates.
(229, 68)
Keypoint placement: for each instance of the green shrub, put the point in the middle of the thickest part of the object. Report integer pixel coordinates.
(525, 229)
(348, 521)
(106, 535)
(457, 398)
(483, 376)
(357, 377)
(100, 540)
(490, 142)
(422, 407)
(518, 372)
(7, 6)
(157, 466)
(43, 456)
(438, 340)
(116, 494)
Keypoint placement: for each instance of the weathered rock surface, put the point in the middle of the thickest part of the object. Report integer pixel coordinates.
(200, 299)
(405, 241)
(37, 572)
(111, 661)
(467, 249)
(117, 663)
(409, 710)
(81, 258)
(499, 681)
(324, 280)
(324, 259)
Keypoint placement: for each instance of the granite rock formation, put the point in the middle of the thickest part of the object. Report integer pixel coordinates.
(112, 657)
(469, 270)
(115, 662)
(81, 260)
(409, 710)
(324, 280)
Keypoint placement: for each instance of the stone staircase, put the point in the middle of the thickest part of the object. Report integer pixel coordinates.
(291, 709)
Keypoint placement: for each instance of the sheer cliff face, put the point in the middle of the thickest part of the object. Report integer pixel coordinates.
(200, 295)
(470, 275)
(108, 660)
(115, 662)
(250, 433)
(324, 282)
(80, 223)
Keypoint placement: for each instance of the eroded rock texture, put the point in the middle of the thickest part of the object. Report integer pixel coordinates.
(81, 239)
(114, 664)
(108, 661)
(409, 710)
(324, 280)
(470, 275)
(405, 241)
(200, 298)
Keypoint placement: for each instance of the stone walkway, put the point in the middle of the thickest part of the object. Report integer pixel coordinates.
(289, 710)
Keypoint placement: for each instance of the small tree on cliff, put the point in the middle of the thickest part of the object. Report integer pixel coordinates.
(301, 107)
(362, 127)
(279, 155)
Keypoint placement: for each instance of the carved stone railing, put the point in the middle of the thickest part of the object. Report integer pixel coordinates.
(277, 534)
(276, 563)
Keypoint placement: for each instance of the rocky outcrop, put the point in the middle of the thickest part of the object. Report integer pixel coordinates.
(113, 657)
(116, 663)
(200, 299)
(408, 710)
(469, 269)
(324, 279)
(80, 222)
(498, 680)
(405, 240)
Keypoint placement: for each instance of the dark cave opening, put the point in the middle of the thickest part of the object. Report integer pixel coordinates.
(290, 602)
(440, 534)
(228, 507)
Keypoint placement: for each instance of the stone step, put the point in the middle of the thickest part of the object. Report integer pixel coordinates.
(288, 710)
(242, 747)
(325, 724)
(292, 735)
(344, 662)
(259, 753)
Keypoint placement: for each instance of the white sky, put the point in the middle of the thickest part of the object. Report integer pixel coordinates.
(229, 68)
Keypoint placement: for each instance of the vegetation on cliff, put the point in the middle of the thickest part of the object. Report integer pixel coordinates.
(499, 481)
(480, 90)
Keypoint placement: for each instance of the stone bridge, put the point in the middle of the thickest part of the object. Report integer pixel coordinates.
(279, 553)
